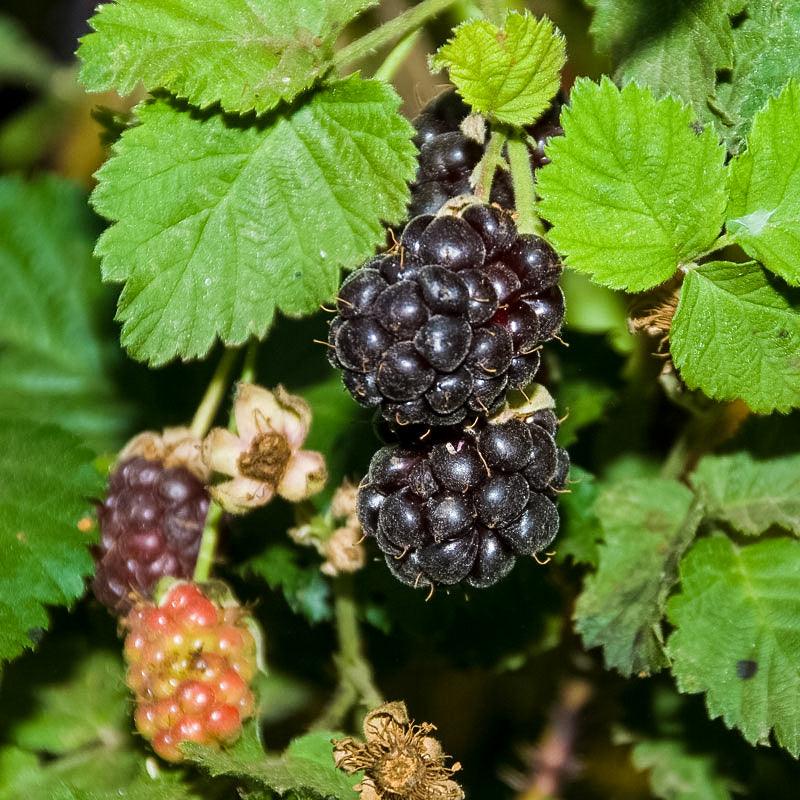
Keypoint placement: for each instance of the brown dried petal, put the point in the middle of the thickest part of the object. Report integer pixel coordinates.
(383, 717)
(175, 447)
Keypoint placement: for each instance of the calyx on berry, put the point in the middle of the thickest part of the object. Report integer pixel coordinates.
(264, 456)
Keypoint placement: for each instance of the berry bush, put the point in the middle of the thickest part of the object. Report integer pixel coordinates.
(386, 381)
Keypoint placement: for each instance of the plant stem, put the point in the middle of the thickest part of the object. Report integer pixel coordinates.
(524, 187)
(391, 31)
(356, 683)
(397, 55)
(248, 374)
(488, 165)
(212, 398)
(208, 544)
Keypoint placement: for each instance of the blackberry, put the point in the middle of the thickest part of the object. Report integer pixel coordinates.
(151, 523)
(447, 156)
(464, 506)
(190, 665)
(436, 331)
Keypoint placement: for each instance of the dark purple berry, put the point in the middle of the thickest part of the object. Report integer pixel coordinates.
(400, 519)
(370, 501)
(507, 446)
(534, 529)
(549, 310)
(491, 351)
(359, 292)
(401, 309)
(403, 374)
(360, 343)
(523, 325)
(495, 226)
(444, 291)
(523, 369)
(486, 393)
(457, 466)
(482, 296)
(541, 469)
(535, 263)
(449, 562)
(448, 156)
(501, 499)
(363, 386)
(452, 243)
(409, 239)
(493, 562)
(408, 570)
(450, 391)
(448, 515)
(151, 523)
(444, 342)
(391, 466)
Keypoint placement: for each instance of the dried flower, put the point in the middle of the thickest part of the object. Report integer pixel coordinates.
(175, 447)
(400, 760)
(264, 457)
(344, 551)
(343, 504)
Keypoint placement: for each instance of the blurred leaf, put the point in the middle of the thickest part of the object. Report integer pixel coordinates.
(647, 525)
(218, 223)
(737, 637)
(510, 74)
(583, 402)
(245, 55)
(766, 56)
(53, 363)
(21, 59)
(624, 209)
(280, 696)
(305, 589)
(307, 764)
(676, 774)
(580, 527)
(46, 480)
(764, 211)
(89, 705)
(751, 496)
(675, 48)
(736, 335)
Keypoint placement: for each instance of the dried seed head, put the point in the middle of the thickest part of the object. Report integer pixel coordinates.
(400, 760)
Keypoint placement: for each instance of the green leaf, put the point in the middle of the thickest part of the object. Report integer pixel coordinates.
(648, 524)
(766, 56)
(632, 191)
(676, 774)
(750, 496)
(508, 74)
(736, 335)
(307, 764)
(580, 527)
(244, 54)
(46, 479)
(305, 589)
(53, 365)
(87, 704)
(219, 224)
(737, 635)
(764, 211)
(674, 48)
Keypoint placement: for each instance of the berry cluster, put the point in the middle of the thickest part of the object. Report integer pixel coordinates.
(442, 327)
(448, 156)
(464, 506)
(190, 663)
(151, 524)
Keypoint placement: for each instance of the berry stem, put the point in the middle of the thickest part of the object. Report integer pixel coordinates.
(356, 682)
(486, 169)
(391, 31)
(397, 56)
(208, 544)
(524, 187)
(217, 387)
(248, 374)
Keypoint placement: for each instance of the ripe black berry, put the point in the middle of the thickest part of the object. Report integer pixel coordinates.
(448, 157)
(440, 328)
(465, 505)
(151, 523)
